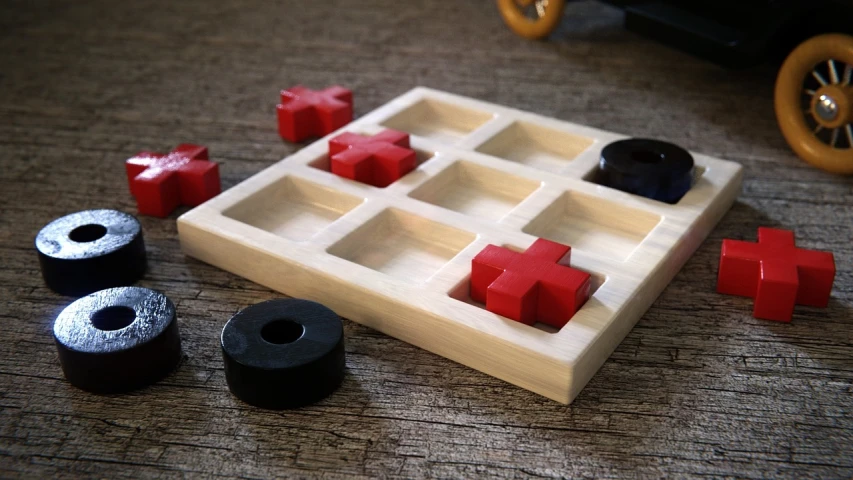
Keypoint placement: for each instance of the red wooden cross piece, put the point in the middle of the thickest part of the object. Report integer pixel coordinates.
(305, 113)
(776, 274)
(162, 182)
(379, 160)
(537, 285)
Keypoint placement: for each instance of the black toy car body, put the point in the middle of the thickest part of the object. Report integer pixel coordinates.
(814, 88)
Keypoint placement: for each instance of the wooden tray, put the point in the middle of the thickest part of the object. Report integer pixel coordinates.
(398, 259)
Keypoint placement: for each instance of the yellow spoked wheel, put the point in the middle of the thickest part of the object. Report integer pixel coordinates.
(532, 18)
(814, 102)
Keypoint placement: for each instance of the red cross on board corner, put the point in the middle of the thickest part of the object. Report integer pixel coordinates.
(537, 285)
(305, 113)
(379, 160)
(776, 274)
(162, 182)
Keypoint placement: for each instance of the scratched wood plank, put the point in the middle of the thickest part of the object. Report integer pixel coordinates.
(698, 388)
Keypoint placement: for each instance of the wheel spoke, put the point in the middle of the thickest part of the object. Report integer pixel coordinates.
(848, 74)
(833, 72)
(819, 77)
(809, 92)
(818, 128)
(834, 137)
(849, 129)
(541, 5)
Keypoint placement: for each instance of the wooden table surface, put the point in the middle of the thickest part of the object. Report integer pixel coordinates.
(698, 388)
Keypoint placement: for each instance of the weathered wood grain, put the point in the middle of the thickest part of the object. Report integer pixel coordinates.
(698, 388)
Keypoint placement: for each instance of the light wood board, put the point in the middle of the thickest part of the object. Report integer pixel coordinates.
(398, 259)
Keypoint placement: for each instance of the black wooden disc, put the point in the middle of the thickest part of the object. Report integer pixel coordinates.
(91, 250)
(118, 339)
(650, 168)
(283, 353)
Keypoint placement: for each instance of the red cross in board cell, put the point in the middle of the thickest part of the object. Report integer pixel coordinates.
(537, 285)
(776, 274)
(305, 113)
(162, 182)
(379, 160)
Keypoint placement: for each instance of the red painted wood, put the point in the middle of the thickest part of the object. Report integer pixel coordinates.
(535, 286)
(161, 182)
(304, 113)
(379, 160)
(776, 273)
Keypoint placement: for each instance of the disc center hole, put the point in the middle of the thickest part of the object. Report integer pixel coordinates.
(113, 318)
(87, 233)
(280, 332)
(646, 156)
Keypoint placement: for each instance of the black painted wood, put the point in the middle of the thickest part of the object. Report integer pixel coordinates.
(698, 388)
(650, 168)
(91, 250)
(118, 339)
(283, 353)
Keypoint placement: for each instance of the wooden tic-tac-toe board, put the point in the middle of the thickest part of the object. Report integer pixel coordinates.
(398, 259)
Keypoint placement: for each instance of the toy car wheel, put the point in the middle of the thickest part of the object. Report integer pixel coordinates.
(532, 18)
(814, 102)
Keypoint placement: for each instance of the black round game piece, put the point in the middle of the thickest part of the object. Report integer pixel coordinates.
(91, 250)
(283, 353)
(118, 339)
(650, 168)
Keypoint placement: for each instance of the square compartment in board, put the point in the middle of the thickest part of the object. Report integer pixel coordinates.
(475, 190)
(437, 120)
(293, 208)
(325, 164)
(593, 224)
(402, 245)
(537, 146)
(462, 292)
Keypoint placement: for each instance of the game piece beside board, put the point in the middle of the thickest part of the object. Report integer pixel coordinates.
(118, 339)
(162, 182)
(776, 273)
(304, 113)
(83, 252)
(399, 258)
(284, 353)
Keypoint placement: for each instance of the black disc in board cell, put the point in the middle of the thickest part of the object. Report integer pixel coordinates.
(283, 353)
(118, 339)
(91, 250)
(650, 168)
